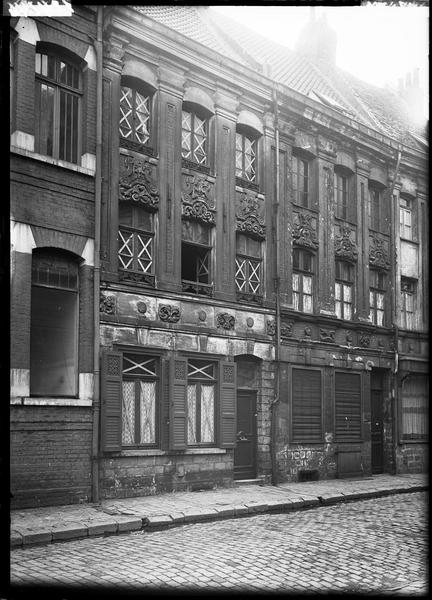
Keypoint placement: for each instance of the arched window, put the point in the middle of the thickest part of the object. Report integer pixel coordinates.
(54, 324)
(57, 106)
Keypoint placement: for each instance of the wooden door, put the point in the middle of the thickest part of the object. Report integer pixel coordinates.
(377, 426)
(245, 450)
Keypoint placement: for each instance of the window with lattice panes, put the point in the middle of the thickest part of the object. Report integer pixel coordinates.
(201, 388)
(377, 283)
(140, 380)
(301, 181)
(135, 115)
(136, 243)
(408, 301)
(344, 288)
(405, 218)
(302, 282)
(194, 137)
(248, 265)
(246, 157)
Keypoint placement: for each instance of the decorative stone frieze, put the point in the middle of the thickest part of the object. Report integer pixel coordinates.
(303, 233)
(225, 321)
(107, 305)
(198, 199)
(250, 215)
(327, 146)
(327, 335)
(378, 256)
(345, 247)
(137, 183)
(169, 313)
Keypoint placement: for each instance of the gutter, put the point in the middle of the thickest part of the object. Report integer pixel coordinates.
(96, 268)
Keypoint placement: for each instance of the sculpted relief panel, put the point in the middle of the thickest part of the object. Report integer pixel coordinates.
(198, 202)
(250, 216)
(138, 182)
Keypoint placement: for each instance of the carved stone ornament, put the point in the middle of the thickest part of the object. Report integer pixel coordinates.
(286, 329)
(248, 218)
(250, 322)
(136, 183)
(107, 305)
(202, 315)
(308, 332)
(327, 335)
(225, 321)
(378, 256)
(271, 327)
(303, 233)
(349, 338)
(141, 307)
(345, 248)
(197, 204)
(364, 340)
(169, 313)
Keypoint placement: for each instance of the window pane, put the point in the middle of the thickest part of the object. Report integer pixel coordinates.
(44, 118)
(126, 112)
(296, 282)
(191, 404)
(347, 293)
(128, 413)
(307, 284)
(296, 300)
(347, 311)
(379, 317)
(207, 413)
(307, 304)
(53, 346)
(380, 300)
(338, 309)
(338, 291)
(148, 411)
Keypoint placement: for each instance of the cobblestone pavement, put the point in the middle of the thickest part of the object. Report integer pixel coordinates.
(377, 546)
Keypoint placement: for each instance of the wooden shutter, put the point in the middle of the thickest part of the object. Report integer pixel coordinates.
(177, 404)
(164, 404)
(227, 405)
(111, 401)
(347, 407)
(306, 406)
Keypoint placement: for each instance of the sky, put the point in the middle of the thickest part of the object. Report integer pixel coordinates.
(378, 44)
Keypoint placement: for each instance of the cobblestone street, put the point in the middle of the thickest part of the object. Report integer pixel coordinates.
(376, 545)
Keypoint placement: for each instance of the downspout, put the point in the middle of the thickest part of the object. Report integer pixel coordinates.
(96, 268)
(275, 402)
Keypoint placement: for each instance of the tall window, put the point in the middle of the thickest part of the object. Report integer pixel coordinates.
(54, 325)
(135, 115)
(246, 157)
(408, 298)
(302, 280)
(376, 296)
(201, 385)
(136, 243)
(306, 406)
(301, 181)
(415, 401)
(341, 195)
(196, 258)
(405, 219)
(248, 266)
(344, 290)
(140, 380)
(378, 210)
(57, 107)
(194, 138)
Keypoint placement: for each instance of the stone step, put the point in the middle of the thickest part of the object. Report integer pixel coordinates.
(240, 482)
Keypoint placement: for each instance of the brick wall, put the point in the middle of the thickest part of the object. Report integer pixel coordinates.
(50, 455)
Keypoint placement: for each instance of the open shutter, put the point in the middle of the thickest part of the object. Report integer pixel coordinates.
(227, 405)
(177, 404)
(111, 399)
(347, 407)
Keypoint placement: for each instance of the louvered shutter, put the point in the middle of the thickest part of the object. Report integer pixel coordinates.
(111, 399)
(164, 405)
(306, 406)
(347, 407)
(227, 405)
(177, 404)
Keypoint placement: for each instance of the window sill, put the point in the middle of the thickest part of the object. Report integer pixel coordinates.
(414, 441)
(27, 401)
(157, 452)
(52, 161)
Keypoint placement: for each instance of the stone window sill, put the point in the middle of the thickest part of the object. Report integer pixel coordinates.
(52, 161)
(26, 401)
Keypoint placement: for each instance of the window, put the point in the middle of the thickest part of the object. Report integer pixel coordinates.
(302, 280)
(341, 195)
(57, 107)
(196, 258)
(344, 290)
(54, 325)
(139, 400)
(301, 181)
(408, 298)
(246, 157)
(248, 266)
(347, 407)
(378, 210)
(405, 219)
(136, 244)
(201, 402)
(415, 396)
(376, 296)
(306, 406)
(194, 138)
(135, 115)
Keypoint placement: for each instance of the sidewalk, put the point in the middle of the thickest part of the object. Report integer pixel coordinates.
(110, 517)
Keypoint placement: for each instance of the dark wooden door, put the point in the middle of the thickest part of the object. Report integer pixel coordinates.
(245, 450)
(377, 431)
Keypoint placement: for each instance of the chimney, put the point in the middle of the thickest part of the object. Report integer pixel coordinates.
(318, 41)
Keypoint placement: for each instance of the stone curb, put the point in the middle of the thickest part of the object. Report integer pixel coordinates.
(74, 531)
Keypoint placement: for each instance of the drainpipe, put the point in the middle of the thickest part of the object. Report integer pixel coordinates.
(275, 402)
(96, 268)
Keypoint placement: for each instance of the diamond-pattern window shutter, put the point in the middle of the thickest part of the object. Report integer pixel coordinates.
(227, 405)
(178, 404)
(111, 400)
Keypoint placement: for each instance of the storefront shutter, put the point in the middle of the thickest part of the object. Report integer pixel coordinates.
(165, 403)
(347, 407)
(306, 406)
(227, 405)
(177, 404)
(111, 399)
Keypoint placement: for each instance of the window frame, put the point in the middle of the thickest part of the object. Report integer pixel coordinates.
(201, 287)
(214, 381)
(195, 113)
(405, 210)
(377, 288)
(134, 274)
(306, 199)
(302, 273)
(241, 173)
(248, 257)
(345, 282)
(137, 86)
(414, 437)
(406, 293)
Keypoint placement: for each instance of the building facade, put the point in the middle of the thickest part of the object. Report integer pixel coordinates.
(262, 297)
